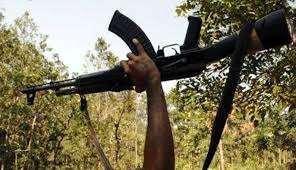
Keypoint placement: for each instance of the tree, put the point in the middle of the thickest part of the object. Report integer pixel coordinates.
(31, 136)
(113, 115)
(267, 79)
(51, 133)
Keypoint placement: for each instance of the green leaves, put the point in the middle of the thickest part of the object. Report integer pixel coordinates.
(267, 84)
(101, 57)
(34, 134)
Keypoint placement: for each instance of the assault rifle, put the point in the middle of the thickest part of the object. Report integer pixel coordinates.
(268, 32)
(272, 31)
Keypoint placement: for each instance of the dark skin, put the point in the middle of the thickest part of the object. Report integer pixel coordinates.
(159, 147)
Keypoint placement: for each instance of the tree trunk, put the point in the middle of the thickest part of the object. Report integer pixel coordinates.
(117, 137)
(274, 159)
(280, 156)
(138, 107)
(56, 151)
(136, 145)
(284, 157)
(92, 134)
(16, 166)
(29, 147)
(222, 163)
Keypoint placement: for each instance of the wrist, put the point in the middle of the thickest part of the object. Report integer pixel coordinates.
(154, 79)
(153, 84)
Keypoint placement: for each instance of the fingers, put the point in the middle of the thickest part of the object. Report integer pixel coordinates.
(131, 56)
(139, 89)
(128, 66)
(139, 46)
(132, 60)
(125, 67)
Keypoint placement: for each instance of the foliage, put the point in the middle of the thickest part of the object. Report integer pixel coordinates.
(24, 128)
(113, 123)
(52, 133)
(260, 132)
(267, 85)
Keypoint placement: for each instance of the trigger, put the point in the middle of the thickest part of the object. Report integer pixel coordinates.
(176, 52)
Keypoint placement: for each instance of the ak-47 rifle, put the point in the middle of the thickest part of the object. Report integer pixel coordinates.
(272, 31)
(268, 32)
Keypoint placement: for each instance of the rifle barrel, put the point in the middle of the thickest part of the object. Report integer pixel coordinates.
(49, 86)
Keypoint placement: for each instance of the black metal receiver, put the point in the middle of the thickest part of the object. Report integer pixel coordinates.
(271, 31)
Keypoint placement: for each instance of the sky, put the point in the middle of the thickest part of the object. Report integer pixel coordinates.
(74, 25)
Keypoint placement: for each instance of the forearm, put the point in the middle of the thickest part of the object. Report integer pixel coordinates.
(159, 149)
